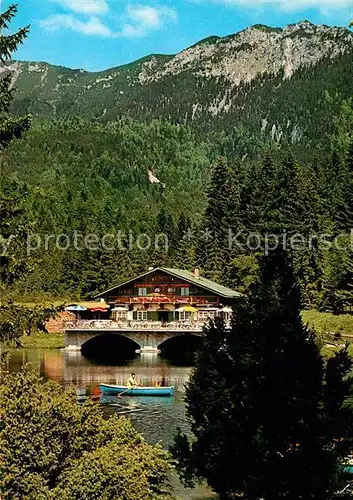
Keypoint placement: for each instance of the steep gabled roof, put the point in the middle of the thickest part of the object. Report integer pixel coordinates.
(210, 285)
(188, 276)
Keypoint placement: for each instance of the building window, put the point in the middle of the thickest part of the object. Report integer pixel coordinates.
(183, 315)
(140, 315)
(142, 292)
(184, 291)
(121, 315)
(206, 315)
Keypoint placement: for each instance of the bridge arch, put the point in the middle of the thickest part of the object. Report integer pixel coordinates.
(131, 339)
(109, 347)
(181, 348)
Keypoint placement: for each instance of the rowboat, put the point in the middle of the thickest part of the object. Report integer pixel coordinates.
(136, 391)
(349, 469)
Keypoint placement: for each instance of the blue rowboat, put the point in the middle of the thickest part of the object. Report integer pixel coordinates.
(136, 391)
(349, 469)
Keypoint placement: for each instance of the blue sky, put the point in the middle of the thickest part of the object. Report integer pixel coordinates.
(97, 34)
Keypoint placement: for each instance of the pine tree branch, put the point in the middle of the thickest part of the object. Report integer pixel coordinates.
(10, 43)
(7, 16)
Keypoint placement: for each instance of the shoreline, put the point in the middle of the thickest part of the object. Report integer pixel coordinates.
(332, 331)
(43, 341)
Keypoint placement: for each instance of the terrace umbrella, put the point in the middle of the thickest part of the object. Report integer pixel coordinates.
(75, 308)
(97, 307)
(190, 309)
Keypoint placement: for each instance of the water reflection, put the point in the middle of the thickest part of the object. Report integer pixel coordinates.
(72, 368)
(156, 418)
(149, 369)
(109, 349)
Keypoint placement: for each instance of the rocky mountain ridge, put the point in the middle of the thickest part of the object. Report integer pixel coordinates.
(246, 77)
(253, 51)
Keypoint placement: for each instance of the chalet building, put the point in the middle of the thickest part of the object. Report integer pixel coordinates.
(167, 295)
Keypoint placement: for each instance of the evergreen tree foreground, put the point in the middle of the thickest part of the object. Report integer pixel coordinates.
(12, 263)
(51, 447)
(268, 415)
(10, 127)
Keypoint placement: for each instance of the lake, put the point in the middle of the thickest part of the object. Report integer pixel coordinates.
(155, 418)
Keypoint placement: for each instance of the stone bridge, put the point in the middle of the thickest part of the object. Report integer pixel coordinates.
(145, 340)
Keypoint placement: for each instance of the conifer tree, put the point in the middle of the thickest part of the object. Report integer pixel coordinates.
(267, 414)
(14, 226)
(166, 230)
(287, 199)
(261, 201)
(346, 213)
(347, 293)
(338, 277)
(185, 252)
(10, 127)
(217, 194)
(12, 214)
(344, 292)
(213, 250)
(234, 224)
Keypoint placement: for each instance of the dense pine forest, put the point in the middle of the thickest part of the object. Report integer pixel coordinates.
(77, 176)
(216, 192)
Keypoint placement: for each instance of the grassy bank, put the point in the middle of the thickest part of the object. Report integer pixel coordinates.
(43, 341)
(327, 324)
(333, 331)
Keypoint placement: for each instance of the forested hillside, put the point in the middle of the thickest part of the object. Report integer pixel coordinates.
(257, 85)
(76, 176)
(236, 139)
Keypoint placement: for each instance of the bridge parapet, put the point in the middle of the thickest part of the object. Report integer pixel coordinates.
(111, 325)
(147, 339)
(147, 335)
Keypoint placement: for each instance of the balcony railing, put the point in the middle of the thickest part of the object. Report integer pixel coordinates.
(134, 325)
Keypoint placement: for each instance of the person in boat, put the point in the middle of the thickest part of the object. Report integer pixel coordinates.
(132, 382)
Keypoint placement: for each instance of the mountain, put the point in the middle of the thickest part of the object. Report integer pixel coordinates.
(277, 102)
(264, 81)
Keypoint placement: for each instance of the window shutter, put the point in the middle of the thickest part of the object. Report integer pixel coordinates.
(134, 315)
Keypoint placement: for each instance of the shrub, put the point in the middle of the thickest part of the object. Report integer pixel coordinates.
(50, 447)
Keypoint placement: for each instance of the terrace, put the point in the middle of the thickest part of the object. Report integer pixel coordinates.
(111, 325)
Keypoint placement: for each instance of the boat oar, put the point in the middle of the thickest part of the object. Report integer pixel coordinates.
(121, 393)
